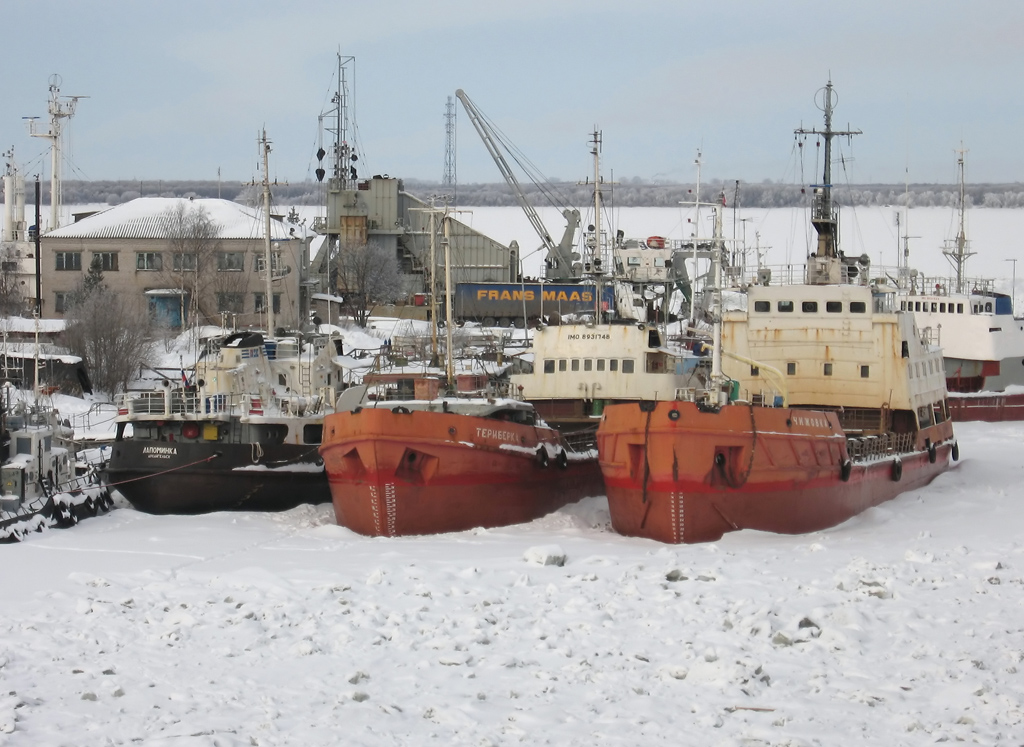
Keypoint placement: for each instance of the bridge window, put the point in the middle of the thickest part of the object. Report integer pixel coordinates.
(600, 364)
(791, 368)
(588, 364)
(613, 365)
(627, 365)
(785, 306)
(988, 307)
(828, 369)
(834, 307)
(959, 308)
(858, 307)
(549, 365)
(762, 306)
(575, 364)
(942, 308)
(755, 371)
(865, 372)
(809, 307)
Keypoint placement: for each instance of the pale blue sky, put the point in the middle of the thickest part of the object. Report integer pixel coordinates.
(180, 89)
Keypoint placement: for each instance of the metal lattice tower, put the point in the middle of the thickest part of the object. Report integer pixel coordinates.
(448, 181)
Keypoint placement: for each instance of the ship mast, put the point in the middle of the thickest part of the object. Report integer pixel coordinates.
(268, 254)
(958, 250)
(824, 217)
(59, 108)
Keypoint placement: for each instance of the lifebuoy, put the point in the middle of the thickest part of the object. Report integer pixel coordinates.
(956, 451)
(542, 456)
(932, 454)
(897, 470)
(400, 410)
(562, 460)
(845, 469)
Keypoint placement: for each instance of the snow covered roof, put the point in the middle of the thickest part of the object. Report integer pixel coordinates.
(143, 218)
(21, 325)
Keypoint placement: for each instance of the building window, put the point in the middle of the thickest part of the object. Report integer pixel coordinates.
(184, 262)
(69, 260)
(549, 365)
(828, 369)
(148, 261)
(627, 365)
(762, 306)
(231, 302)
(230, 261)
(785, 306)
(858, 307)
(260, 262)
(260, 303)
(61, 302)
(865, 371)
(791, 368)
(107, 261)
(809, 307)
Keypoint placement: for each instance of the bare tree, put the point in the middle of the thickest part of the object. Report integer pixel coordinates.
(111, 333)
(194, 240)
(367, 274)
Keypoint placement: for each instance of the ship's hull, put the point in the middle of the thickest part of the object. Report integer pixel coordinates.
(695, 475)
(193, 478)
(991, 407)
(419, 472)
(59, 511)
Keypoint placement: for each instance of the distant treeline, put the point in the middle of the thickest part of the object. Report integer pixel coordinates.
(626, 193)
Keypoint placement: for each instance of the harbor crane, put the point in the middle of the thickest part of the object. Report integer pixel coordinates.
(562, 262)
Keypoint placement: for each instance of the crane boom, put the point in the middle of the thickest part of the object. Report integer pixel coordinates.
(562, 262)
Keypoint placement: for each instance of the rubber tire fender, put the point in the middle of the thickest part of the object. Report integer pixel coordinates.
(955, 453)
(932, 453)
(542, 456)
(845, 470)
(897, 470)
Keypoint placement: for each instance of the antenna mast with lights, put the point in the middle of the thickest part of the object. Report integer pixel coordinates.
(448, 180)
(60, 108)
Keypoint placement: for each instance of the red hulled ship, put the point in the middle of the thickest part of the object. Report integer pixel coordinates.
(433, 466)
(823, 399)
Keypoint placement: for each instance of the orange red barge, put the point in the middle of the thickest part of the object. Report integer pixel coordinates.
(676, 472)
(427, 467)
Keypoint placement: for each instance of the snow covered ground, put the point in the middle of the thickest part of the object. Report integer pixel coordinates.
(901, 627)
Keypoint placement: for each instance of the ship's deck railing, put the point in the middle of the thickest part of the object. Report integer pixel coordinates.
(877, 446)
(789, 274)
(185, 402)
